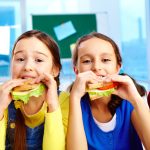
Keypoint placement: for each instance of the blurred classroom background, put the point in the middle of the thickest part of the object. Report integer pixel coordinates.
(127, 22)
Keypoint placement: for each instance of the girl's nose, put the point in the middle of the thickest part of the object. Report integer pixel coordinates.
(96, 66)
(28, 66)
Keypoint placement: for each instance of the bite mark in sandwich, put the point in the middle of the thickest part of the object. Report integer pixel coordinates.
(101, 89)
(25, 91)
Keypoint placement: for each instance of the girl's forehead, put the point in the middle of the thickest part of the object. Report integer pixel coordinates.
(95, 46)
(31, 45)
(94, 41)
(29, 42)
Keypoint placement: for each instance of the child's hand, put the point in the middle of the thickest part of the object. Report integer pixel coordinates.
(79, 86)
(5, 96)
(51, 95)
(126, 88)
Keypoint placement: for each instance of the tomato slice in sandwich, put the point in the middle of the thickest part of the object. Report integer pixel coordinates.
(108, 86)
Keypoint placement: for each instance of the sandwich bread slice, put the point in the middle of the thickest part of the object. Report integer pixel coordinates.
(100, 89)
(25, 91)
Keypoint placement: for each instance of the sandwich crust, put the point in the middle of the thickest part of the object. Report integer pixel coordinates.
(91, 86)
(100, 89)
(94, 85)
(25, 87)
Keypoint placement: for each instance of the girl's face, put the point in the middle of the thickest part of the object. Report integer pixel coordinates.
(98, 56)
(31, 58)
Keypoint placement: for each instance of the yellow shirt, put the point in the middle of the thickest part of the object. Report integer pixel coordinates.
(55, 126)
(34, 120)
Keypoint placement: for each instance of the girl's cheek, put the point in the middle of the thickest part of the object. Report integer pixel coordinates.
(15, 69)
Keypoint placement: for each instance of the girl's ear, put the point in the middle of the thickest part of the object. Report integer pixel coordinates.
(55, 71)
(75, 70)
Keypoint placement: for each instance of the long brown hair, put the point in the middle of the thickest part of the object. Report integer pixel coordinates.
(115, 100)
(20, 138)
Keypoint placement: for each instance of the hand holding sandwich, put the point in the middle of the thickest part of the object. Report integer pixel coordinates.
(80, 84)
(22, 87)
(43, 85)
(51, 92)
(126, 89)
(97, 87)
(5, 96)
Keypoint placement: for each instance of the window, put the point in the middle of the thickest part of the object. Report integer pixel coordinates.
(134, 47)
(10, 27)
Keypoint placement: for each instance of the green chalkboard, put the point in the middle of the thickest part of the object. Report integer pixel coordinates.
(83, 24)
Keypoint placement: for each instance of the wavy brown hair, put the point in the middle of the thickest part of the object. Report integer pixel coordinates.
(115, 100)
(20, 138)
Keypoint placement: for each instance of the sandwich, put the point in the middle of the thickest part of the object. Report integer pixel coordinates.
(28, 89)
(100, 89)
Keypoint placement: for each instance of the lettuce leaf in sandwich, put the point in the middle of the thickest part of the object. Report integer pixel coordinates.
(25, 91)
(100, 89)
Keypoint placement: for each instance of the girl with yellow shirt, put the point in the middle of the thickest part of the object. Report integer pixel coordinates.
(37, 124)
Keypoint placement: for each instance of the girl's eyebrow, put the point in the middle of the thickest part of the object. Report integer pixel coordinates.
(86, 55)
(107, 54)
(103, 54)
(19, 51)
(38, 52)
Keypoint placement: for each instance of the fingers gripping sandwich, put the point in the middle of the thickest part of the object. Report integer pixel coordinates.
(25, 91)
(100, 89)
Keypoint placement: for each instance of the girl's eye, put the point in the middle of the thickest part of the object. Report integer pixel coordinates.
(38, 60)
(87, 61)
(20, 59)
(106, 60)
